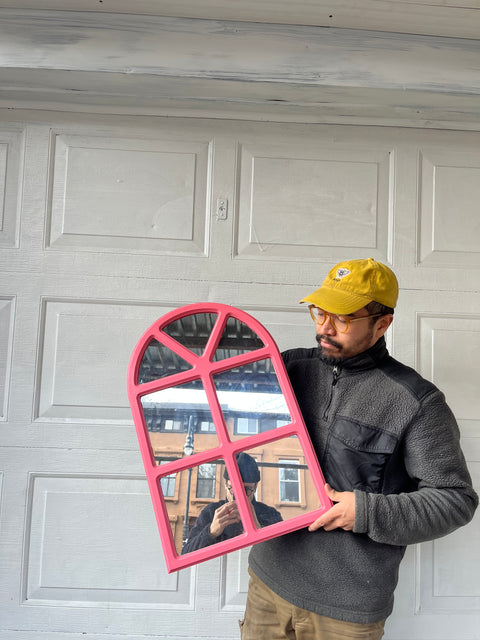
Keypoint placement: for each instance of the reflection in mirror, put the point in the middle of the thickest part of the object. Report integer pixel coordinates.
(159, 362)
(209, 505)
(192, 331)
(183, 413)
(251, 399)
(198, 492)
(237, 338)
(286, 483)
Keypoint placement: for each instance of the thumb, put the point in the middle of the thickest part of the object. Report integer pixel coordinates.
(331, 493)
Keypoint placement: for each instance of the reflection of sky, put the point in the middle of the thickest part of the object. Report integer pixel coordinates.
(233, 400)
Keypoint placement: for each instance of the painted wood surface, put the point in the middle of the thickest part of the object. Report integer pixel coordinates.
(453, 18)
(153, 62)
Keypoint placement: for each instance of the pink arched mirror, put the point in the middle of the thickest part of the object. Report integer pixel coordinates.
(212, 405)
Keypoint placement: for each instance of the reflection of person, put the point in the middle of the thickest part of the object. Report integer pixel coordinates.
(389, 448)
(221, 520)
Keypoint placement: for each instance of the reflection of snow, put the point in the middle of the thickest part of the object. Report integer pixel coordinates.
(239, 401)
(253, 402)
(177, 397)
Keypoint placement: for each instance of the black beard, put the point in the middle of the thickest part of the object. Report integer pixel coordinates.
(326, 358)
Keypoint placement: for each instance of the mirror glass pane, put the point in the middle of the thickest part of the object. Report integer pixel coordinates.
(237, 338)
(285, 481)
(159, 362)
(192, 331)
(251, 399)
(199, 491)
(179, 419)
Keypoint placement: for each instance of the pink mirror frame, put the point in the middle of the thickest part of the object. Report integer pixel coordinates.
(203, 367)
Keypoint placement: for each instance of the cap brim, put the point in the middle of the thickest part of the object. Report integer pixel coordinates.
(335, 301)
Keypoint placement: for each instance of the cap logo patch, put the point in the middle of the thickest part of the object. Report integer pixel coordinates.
(341, 273)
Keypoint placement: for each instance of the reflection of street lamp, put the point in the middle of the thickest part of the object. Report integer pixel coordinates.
(187, 451)
(188, 446)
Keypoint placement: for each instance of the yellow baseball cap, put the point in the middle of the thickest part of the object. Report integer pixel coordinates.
(352, 284)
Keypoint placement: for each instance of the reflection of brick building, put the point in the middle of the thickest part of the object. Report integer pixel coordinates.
(285, 481)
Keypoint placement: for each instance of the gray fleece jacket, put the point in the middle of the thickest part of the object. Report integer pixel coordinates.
(381, 430)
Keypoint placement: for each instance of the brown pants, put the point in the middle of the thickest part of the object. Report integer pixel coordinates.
(269, 617)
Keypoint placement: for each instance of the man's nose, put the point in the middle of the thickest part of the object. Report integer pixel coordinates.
(326, 328)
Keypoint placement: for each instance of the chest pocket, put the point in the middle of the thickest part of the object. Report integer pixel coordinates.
(356, 455)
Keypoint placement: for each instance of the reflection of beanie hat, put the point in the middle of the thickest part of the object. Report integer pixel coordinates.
(248, 468)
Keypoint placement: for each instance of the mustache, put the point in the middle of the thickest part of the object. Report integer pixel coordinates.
(320, 339)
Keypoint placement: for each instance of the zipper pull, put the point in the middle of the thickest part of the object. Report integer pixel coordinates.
(336, 373)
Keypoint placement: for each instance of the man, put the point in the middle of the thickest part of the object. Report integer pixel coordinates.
(221, 520)
(389, 448)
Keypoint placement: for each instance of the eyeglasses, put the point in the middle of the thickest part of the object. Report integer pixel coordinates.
(339, 323)
(248, 490)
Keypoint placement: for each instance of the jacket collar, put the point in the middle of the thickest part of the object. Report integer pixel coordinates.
(367, 360)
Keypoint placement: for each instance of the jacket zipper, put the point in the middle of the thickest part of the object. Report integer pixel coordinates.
(336, 373)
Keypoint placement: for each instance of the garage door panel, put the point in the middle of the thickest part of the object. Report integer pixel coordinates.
(449, 225)
(234, 581)
(447, 342)
(7, 310)
(112, 193)
(298, 203)
(80, 550)
(85, 349)
(12, 144)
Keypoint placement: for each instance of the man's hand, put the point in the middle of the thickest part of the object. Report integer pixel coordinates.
(341, 515)
(224, 515)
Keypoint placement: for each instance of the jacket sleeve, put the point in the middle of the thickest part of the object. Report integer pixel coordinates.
(266, 515)
(199, 536)
(443, 499)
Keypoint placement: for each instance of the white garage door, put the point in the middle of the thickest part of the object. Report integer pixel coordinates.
(110, 222)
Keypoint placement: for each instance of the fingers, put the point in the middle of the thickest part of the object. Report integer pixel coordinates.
(328, 521)
(227, 507)
(223, 516)
(331, 493)
(333, 519)
(318, 524)
(228, 513)
(341, 515)
(232, 512)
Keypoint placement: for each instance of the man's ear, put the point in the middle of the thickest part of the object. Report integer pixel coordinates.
(382, 324)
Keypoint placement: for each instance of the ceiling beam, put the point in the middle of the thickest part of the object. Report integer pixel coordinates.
(450, 18)
(131, 59)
